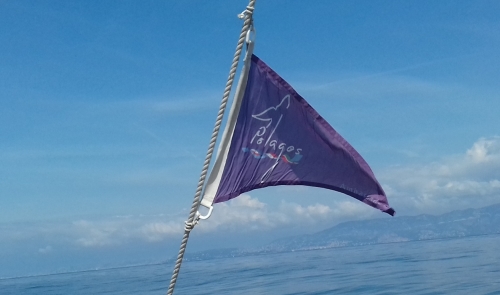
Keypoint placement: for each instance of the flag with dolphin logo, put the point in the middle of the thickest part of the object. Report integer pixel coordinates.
(274, 137)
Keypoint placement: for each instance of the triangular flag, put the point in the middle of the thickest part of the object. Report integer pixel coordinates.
(277, 138)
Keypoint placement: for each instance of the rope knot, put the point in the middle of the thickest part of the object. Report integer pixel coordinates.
(190, 225)
(248, 11)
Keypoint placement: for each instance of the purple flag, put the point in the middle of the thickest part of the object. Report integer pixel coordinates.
(279, 139)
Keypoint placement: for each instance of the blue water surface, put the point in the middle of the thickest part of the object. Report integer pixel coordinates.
(456, 266)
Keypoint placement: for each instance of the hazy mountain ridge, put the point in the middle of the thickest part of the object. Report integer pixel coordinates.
(455, 224)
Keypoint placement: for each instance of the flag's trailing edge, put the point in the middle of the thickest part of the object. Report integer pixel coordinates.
(274, 137)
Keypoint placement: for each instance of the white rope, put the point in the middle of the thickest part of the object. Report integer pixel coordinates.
(193, 217)
(248, 11)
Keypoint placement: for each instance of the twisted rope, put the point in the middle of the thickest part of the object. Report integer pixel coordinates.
(193, 217)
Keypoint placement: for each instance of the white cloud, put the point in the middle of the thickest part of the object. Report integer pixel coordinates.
(183, 105)
(99, 233)
(462, 181)
(386, 84)
(245, 213)
(247, 201)
(157, 231)
(485, 150)
(45, 250)
(316, 211)
(241, 213)
(120, 229)
(353, 210)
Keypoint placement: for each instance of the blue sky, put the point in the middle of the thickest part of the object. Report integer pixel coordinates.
(106, 111)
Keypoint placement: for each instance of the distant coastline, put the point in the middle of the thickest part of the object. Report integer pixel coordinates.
(452, 225)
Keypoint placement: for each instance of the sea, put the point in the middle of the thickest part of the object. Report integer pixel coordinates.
(468, 265)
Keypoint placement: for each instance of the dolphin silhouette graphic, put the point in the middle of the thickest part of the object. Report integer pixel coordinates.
(268, 114)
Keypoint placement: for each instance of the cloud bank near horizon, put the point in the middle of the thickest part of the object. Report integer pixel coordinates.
(471, 179)
(243, 214)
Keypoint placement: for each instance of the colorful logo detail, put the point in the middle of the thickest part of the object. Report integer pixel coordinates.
(259, 155)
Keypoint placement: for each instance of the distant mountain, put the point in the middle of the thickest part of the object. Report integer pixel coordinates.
(455, 224)
(469, 222)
